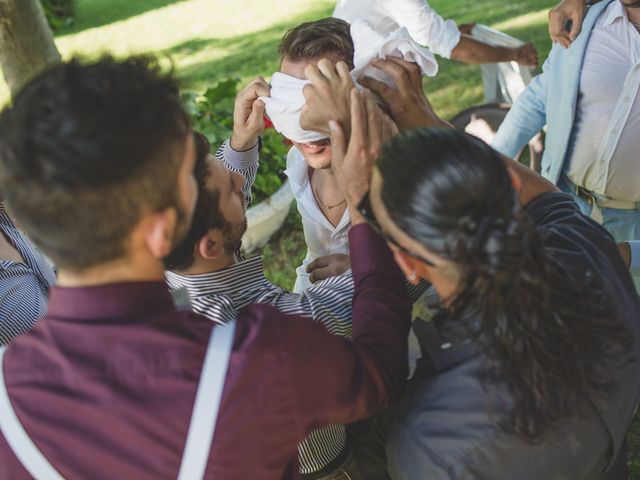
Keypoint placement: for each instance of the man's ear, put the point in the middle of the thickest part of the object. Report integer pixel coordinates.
(211, 245)
(159, 232)
(411, 267)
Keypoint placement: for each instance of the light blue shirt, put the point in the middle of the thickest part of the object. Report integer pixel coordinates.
(550, 99)
(635, 257)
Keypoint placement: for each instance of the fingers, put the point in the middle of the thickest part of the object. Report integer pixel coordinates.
(320, 262)
(327, 69)
(576, 25)
(344, 72)
(328, 266)
(257, 113)
(374, 123)
(261, 87)
(358, 120)
(405, 74)
(338, 144)
(379, 88)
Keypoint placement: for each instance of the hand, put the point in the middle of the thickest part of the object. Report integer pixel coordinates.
(327, 97)
(625, 253)
(329, 266)
(352, 164)
(572, 10)
(527, 55)
(466, 28)
(248, 113)
(409, 106)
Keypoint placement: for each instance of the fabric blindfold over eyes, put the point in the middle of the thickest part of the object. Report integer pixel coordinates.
(284, 106)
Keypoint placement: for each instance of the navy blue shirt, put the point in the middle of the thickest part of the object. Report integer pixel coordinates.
(448, 428)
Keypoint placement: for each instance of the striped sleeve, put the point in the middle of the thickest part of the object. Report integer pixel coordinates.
(328, 302)
(22, 300)
(245, 163)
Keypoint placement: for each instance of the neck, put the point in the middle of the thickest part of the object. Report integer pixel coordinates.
(204, 265)
(327, 186)
(633, 14)
(127, 269)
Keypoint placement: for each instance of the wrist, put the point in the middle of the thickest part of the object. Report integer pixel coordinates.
(240, 144)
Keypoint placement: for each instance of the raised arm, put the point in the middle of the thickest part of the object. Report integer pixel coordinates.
(410, 108)
(343, 382)
(241, 152)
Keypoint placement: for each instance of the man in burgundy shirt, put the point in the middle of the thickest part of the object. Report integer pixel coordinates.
(97, 162)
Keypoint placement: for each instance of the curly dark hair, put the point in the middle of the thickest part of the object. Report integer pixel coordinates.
(552, 338)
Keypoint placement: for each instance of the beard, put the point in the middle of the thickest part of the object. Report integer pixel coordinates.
(631, 3)
(183, 223)
(232, 235)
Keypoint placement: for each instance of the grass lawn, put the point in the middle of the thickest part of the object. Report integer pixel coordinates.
(209, 39)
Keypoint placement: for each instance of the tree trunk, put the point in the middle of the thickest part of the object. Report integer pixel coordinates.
(26, 42)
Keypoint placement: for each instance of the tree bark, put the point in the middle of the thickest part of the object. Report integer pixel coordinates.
(26, 42)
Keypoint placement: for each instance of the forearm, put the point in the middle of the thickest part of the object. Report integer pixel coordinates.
(340, 381)
(531, 185)
(470, 50)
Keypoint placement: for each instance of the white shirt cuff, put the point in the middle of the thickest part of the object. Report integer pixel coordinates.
(240, 160)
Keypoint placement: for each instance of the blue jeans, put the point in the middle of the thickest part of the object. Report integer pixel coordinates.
(622, 224)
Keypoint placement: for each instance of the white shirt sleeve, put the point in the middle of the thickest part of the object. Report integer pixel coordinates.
(425, 25)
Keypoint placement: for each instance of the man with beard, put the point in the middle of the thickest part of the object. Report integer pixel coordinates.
(220, 282)
(588, 98)
(115, 382)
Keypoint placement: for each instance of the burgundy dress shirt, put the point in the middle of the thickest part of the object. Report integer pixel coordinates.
(105, 384)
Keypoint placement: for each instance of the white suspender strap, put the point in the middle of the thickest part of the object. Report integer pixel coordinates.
(208, 396)
(27, 452)
(201, 426)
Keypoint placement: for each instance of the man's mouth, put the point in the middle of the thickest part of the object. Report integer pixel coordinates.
(316, 147)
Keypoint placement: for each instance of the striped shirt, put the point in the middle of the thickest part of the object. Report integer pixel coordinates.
(220, 295)
(24, 286)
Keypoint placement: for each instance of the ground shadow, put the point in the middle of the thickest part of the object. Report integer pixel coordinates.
(247, 55)
(96, 13)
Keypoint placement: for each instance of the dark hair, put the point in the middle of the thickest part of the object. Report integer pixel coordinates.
(206, 215)
(318, 38)
(86, 149)
(552, 338)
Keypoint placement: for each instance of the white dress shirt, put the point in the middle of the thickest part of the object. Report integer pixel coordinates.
(604, 155)
(423, 23)
(321, 237)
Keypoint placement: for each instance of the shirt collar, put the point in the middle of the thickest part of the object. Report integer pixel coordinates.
(234, 281)
(297, 171)
(131, 299)
(614, 12)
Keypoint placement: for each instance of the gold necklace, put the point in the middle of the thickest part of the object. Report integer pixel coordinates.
(314, 187)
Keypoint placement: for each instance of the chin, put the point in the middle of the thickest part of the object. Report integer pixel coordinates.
(317, 154)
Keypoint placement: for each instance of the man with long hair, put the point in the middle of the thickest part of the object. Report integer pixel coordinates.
(531, 368)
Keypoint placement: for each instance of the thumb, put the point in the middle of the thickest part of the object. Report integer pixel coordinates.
(257, 111)
(576, 25)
